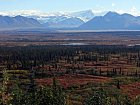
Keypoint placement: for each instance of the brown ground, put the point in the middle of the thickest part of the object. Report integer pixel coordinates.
(21, 38)
(74, 80)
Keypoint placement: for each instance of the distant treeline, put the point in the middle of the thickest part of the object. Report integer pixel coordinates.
(31, 56)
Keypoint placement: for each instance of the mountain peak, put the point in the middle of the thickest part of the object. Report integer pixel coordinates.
(110, 14)
(127, 15)
(113, 21)
(82, 12)
(7, 22)
(19, 17)
(83, 15)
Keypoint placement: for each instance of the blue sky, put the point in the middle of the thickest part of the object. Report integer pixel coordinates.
(70, 5)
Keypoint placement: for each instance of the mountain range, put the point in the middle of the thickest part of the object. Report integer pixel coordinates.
(16, 22)
(113, 21)
(83, 20)
(64, 20)
(54, 17)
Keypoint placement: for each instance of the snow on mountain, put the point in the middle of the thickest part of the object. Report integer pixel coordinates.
(83, 15)
(57, 17)
(44, 17)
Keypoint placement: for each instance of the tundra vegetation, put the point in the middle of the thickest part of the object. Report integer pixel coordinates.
(70, 75)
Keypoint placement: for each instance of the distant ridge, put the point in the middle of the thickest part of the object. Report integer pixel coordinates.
(7, 22)
(112, 21)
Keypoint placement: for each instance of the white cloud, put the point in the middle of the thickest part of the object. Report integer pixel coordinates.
(29, 13)
(98, 12)
(133, 11)
(113, 4)
(3, 13)
(20, 12)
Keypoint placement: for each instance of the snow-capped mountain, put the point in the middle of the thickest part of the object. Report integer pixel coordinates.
(53, 18)
(44, 17)
(57, 17)
(83, 15)
(64, 20)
